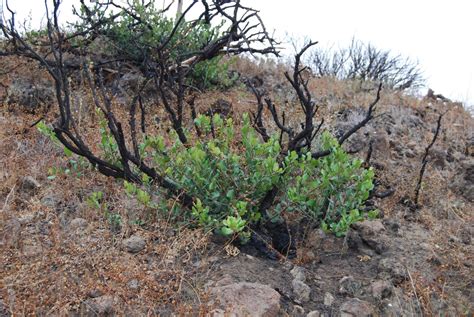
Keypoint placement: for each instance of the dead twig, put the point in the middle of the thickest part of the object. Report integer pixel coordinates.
(414, 289)
(425, 160)
(8, 198)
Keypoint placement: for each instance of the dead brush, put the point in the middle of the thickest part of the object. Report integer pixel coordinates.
(423, 293)
(88, 263)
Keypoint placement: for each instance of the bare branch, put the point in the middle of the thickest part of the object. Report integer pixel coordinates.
(368, 117)
(425, 160)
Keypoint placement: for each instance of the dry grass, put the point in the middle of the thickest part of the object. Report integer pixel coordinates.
(47, 268)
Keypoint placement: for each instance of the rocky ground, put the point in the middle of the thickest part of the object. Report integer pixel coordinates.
(60, 256)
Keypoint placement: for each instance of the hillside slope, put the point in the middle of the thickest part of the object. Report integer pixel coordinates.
(60, 255)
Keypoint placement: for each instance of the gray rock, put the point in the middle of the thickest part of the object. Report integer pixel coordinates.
(357, 143)
(356, 308)
(442, 307)
(392, 224)
(29, 186)
(29, 95)
(226, 279)
(392, 269)
(463, 181)
(134, 244)
(381, 289)
(63, 219)
(412, 121)
(221, 107)
(127, 86)
(315, 238)
(246, 299)
(409, 153)
(50, 201)
(301, 290)
(314, 313)
(369, 227)
(168, 312)
(438, 157)
(354, 241)
(466, 236)
(435, 260)
(133, 284)
(100, 45)
(131, 81)
(397, 147)
(453, 238)
(298, 311)
(31, 251)
(372, 233)
(349, 286)
(328, 299)
(216, 312)
(298, 273)
(99, 306)
(11, 232)
(380, 144)
(94, 293)
(78, 223)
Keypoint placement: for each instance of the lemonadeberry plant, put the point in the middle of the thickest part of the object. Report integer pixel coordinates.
(332, 189)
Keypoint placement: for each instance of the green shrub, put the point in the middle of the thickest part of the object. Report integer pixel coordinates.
(126, 38)
(331, 189)
(212, 74)
(229, 173)
(33, 35)
(228, 178)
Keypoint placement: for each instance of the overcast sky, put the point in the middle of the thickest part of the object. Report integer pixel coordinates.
(437, 33)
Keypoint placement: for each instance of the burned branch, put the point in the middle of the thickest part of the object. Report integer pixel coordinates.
(365, 62)
(425, 160)
(357, 127)
(296, 140)
(363, 122)
(257, 118)
(303, 139)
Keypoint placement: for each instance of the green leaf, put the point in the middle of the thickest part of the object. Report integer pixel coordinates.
(226, 231)
(230, 194)
(67, 152)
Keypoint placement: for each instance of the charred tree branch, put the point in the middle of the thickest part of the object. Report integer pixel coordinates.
(425, 160)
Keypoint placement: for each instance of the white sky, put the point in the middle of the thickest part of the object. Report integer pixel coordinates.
(437, 33)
